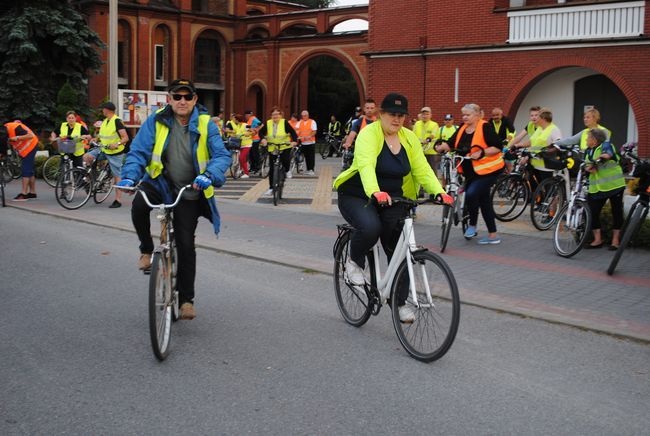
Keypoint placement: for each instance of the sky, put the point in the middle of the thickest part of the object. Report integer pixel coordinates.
(352, 24)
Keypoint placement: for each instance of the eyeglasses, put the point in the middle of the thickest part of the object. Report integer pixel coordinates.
(186, 97)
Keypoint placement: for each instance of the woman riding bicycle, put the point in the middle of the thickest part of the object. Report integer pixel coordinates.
(278, 133)
(388, 162)
(477, 139)
(72, 129)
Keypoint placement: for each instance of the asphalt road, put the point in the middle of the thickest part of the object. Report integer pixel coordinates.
(269, 354)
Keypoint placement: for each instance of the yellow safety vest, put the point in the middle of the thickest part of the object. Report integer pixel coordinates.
(539, 141)
(609, 175)
(280, 137)
(426, 130)
(108, 135)
(76, 133)
(155, 167)
(585, 133)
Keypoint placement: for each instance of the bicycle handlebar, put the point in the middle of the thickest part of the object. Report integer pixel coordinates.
(146, 199)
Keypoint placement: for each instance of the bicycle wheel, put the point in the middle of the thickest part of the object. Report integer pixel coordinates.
(160, 306)
(235, 171)
(14, 163)
(353, 301)
(73, 188)
(324, 150)
(434, 329)
(5, 174)
(277, 173)
(547, 200)
(103, 184)
(572, 228)
(173, 261)
(447, 223)
(300, 163)
(264, 164)
(635, 218)
(52, 169)
(509, 198)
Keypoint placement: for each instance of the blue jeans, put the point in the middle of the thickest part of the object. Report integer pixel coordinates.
(477, 195)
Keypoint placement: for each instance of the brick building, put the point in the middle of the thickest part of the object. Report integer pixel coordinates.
(563, 54)
(514, 54)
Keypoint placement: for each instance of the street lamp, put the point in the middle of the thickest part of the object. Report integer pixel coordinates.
(112, 50)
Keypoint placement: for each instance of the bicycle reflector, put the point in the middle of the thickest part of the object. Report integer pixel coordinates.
(570, 162)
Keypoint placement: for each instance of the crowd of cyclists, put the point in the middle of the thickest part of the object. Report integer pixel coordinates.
(393, 157)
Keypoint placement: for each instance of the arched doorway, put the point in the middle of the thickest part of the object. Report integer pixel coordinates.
(324, 85)
(255, 101)
(568, 91)
(208, 69)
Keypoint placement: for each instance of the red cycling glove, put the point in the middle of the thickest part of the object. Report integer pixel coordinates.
(382, 197)
(445, 199)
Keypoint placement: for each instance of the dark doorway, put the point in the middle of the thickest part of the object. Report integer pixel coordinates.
(604, 95)
(331, 90)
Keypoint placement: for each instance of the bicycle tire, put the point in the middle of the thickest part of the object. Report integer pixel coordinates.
(569, 238)
(325, 150)
(636, 217)
(447, 223)
(509, 198)
(73, 188)
(173, 260)
(235, 171)
(353, 301)
(52, 169)
(264, 164)
(300, 163)
(5, 174)
(102, 189)
(434, 329)
(160, 307)
(546, 201)
(14, 163)
(277, 169)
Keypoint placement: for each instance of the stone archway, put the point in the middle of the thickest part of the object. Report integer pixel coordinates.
(334, 92)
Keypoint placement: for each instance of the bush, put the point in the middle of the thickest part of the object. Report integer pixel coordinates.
(640, 240)
(38, 166)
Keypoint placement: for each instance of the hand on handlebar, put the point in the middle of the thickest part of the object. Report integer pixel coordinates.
(445, 199)
(382, 198)
(201, 182)
(126, 183)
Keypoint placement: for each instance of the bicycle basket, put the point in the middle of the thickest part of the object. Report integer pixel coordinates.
(576, 158)
(553, 159)
(233, 143)
(67, 146)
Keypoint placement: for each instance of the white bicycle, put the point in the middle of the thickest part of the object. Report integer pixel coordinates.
(415, 275)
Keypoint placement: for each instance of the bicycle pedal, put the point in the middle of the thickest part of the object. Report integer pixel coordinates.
(146, 272)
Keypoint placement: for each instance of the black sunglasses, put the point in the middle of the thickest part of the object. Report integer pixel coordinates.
(186, 97)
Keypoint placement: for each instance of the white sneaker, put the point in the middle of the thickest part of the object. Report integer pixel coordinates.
(406, 313)
(289, 175)
(244, 176)
(309, 173)
(269, 192)
(354, 273)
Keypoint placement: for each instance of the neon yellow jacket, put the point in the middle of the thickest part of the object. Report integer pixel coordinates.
(367, 147)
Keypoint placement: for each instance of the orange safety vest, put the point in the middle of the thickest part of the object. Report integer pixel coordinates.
(486, 164)
(24, 147)
(304, 130)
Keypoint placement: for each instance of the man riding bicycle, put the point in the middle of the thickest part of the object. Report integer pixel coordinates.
(176, 146)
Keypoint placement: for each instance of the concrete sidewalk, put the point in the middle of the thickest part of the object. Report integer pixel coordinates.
(523, 275)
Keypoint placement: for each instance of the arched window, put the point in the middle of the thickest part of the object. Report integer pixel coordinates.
(207, 58)
(123, 52)
(161, 50)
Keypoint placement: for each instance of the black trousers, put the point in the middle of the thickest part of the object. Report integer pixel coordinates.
(309, 151)
(372, 223)
(285, 159)
(186, 216)
(596, 206)
(254, 157)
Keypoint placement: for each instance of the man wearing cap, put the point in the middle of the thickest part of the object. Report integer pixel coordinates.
(176, 146)
(113, 139)
(427, 132)
(369, 115)
(448, 128)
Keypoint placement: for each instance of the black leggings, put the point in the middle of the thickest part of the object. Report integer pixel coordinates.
(477, 195)
(372, 223)
(309, 151)
(596, 206)
(186, 216)
(285, 159)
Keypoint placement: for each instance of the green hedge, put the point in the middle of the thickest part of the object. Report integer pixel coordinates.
(640, 240)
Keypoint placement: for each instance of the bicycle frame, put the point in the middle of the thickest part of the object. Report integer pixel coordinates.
(405, 246)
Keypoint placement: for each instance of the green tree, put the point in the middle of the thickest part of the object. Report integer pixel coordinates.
(43, 45)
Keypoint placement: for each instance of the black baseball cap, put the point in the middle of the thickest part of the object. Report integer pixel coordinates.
(108, 105)
(179, 84)
(395, 103)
